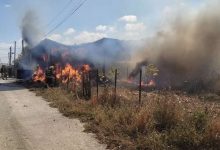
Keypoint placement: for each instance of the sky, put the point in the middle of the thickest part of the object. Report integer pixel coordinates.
(121, 19)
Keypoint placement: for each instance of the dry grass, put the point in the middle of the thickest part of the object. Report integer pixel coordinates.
(163, 121)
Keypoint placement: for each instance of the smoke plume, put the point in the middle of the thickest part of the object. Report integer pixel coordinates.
(31, 30)
(189, 50)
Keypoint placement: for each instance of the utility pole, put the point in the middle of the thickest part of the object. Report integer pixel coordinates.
(22, 44)
(14, 52)
(10, 57)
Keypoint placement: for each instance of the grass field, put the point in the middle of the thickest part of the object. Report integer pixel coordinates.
(165, 120)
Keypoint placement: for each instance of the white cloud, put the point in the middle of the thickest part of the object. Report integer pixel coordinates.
(131, 29)
(81, 37)
(105, 29)
(69, 31)
(129, 18)
(86, 36)
(111, 29)
(7, 5)
(55, 37)
(135, 27)
(101, 28)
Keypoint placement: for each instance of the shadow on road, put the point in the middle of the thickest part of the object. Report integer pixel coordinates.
(9, 86)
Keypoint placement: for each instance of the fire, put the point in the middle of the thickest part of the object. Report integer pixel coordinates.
(68, 73)
(152, 83)
(58, 71)
(39, 75)
(86, 68)
(71, 73)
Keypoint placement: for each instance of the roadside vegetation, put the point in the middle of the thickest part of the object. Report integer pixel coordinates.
(163, 121)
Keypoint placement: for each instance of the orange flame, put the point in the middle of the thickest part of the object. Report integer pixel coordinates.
(39, 75)
(86, 68)
(69, 73)
(152, 83)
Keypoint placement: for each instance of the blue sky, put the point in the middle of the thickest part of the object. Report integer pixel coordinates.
(123, 19)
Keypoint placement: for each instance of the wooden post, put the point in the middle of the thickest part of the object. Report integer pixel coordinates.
(68, 80)
(127, 72)
(97, 83)
(83, 83)
(116, 74)
(86, 85)
(140, 86)
(61, 76)
(90, 86)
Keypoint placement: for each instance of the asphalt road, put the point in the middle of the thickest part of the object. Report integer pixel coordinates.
(28, 123)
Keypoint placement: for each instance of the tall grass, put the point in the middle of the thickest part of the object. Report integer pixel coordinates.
(160, 123)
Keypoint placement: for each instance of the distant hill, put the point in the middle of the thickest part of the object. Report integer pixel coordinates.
(104, 50)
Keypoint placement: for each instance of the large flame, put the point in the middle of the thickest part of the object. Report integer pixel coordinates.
(68, 73)
(39, 75)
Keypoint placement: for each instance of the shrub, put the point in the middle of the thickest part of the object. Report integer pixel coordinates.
(212, 135)
(199, 120)
(159, 123)
(166, 114)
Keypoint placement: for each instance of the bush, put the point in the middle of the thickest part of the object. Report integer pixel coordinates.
(199, 120)
(184, 137)
(108, 98)
(212, 135)
(166, 114)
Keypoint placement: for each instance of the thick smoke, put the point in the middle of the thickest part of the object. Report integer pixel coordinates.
(188, 51)
(31, 30)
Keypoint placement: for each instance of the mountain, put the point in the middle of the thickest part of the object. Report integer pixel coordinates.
(104, 50)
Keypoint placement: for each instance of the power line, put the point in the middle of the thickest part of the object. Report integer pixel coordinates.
(67, 17)
(60, 12)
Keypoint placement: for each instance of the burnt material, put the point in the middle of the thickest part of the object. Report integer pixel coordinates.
(86, 85)
(137, 68)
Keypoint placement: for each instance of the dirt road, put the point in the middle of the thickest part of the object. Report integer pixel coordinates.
(28, 123)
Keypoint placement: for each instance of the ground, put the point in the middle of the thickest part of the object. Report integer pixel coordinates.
(28, 123)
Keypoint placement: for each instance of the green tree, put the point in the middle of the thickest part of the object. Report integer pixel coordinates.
(151, 71)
